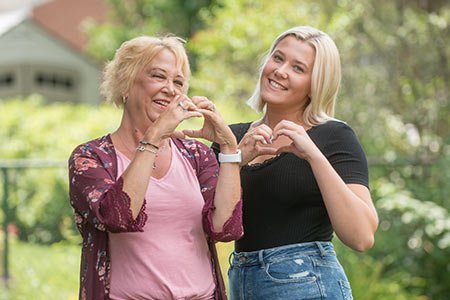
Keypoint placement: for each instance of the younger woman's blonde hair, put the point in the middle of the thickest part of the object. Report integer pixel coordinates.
(132, 56)
(325, 78)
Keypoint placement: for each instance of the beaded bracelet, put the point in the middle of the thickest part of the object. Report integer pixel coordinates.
(142, 148)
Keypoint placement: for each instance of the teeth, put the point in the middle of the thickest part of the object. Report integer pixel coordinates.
(162, 102)
(276, 85)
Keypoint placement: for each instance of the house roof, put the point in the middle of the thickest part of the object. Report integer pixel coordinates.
(64, 18)
(61, 18)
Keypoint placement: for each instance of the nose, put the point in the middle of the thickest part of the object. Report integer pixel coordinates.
(281, 71)
(169, 88)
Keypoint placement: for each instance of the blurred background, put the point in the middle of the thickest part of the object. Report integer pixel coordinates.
(395, 94)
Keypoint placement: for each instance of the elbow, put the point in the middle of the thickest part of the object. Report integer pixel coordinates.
(364, 244)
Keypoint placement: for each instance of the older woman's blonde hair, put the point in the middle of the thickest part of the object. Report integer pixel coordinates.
(325, 78)
(132, 56)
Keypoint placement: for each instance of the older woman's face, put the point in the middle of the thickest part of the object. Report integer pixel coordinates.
(155, 86)
(286, 77)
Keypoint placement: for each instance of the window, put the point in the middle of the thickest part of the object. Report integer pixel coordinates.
(6, 80)
(52, 80)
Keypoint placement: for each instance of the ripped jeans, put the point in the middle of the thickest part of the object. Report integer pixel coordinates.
(297, 271)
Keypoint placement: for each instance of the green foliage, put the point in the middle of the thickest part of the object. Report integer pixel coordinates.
(414, 235)
(367, 277)
(36, 131)
(129, 19)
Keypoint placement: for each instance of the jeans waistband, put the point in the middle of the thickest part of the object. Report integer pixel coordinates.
(271, 255)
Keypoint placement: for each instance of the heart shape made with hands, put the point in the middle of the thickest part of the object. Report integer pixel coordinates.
(286, 136)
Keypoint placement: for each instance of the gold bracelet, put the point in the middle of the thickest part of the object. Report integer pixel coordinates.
(142, 148)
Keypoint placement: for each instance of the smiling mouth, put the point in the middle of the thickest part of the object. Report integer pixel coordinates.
(276, 85)
(162, 103)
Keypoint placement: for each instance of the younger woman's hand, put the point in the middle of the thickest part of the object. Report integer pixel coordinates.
(301, 145)
(257, 141)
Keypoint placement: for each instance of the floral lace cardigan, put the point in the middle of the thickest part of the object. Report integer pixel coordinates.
(100, 206)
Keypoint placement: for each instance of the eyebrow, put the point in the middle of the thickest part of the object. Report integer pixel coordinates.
(165, 72)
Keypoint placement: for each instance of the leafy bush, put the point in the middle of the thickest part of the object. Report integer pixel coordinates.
(414, 236)
(43, 134)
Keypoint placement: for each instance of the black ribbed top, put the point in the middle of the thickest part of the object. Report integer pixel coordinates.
(282, 203)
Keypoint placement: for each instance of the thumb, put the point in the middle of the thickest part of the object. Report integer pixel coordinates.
(289, 148)
(268, 151)
(193, 133)
(178, 135)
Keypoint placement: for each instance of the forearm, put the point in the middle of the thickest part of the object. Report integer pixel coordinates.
(351, 211)
(228, 191)
(136, 178)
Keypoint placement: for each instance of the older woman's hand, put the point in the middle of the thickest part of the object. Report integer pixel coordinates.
(214, 128)
(180, 109)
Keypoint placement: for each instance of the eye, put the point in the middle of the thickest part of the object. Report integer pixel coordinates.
(277, 58)
(158, 75)
(179, 83)
(298, 69)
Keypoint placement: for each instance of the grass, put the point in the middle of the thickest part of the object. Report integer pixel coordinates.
(41, 272)
(51, 272)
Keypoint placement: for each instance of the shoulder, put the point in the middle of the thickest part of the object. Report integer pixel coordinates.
(102, 144)
(334, 128)
(334, 133)
(99, 149)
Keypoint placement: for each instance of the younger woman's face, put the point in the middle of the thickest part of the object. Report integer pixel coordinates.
(286, 77)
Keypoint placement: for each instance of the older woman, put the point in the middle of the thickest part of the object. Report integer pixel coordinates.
(304, 177)
(150, 206)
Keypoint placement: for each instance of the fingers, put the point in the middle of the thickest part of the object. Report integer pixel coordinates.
(287, 128)
(182, 104)
(203, 102)
(262, 133)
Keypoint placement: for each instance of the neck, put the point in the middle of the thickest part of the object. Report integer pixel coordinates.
(272, 118)
(130, 133)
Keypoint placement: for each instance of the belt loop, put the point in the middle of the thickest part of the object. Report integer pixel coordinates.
(321, 249)
(261, 259)
(230, 259)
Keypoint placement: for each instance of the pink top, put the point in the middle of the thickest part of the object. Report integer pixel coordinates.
(170, 259)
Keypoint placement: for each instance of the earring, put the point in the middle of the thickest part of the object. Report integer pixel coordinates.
(124, 99)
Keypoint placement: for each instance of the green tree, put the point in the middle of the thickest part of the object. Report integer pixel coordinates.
(132, 18)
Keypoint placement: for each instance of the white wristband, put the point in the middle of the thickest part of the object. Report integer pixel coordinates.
(230, 158)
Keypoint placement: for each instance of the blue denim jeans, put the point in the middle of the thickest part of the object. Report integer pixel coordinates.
(298, 271)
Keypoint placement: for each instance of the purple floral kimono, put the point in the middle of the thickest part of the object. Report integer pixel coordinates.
(101, 206)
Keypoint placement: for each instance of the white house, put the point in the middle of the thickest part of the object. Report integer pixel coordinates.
(36, 58)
